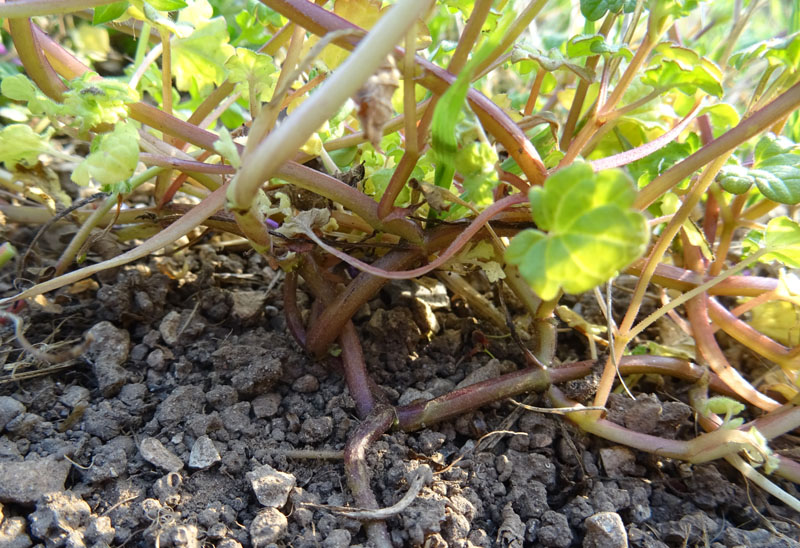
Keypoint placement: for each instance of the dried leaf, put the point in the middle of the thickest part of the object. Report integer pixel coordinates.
(374, 101)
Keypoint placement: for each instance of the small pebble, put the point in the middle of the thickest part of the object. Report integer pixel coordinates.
(271, 487)
(9, 409)
(317, 429)
(248, 305)
(338, 538)
(266, 405)
(267, 527)
(25, 482)
(605, 530)
(107, 351)
(154, 452)
(204, 453)
(306, 384)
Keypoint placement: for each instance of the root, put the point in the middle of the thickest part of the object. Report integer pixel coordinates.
(422, 476)
(41, 355)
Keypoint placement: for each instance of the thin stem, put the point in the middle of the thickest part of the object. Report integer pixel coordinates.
(697, 311)
(493, 118)
(282, 142)
(536, 86)
(760, 121)
(409, 98)
(583, 86)
(32, 58)
(32, 8)
(185, 224)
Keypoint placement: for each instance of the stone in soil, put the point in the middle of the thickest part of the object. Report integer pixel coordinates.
(605, 530)
(107, 351)
(154, 452)
(204, 453)
(13, 532)
(64, 519)
(27, 481)
(9, 410)
(267, 527)
(271, 487)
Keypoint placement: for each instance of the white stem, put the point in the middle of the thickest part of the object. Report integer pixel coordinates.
(286, 139)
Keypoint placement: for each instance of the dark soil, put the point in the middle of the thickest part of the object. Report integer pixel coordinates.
(194, 419)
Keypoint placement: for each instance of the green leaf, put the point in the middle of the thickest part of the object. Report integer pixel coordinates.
(227, 148)
(585, 45)
(588, 231)
(92, 101)
(782, 240)
(113, 157)
(20, 88)
(201, 56)
(551, 61)
(20, 144)
(776, 169)
(595, 9)
(252, 71)
(167, 5)
(777, 51)
(109, 12)
(676, 67)
(445, 117)
(735, 179)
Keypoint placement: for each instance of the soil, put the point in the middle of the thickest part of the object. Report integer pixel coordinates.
(194, 419)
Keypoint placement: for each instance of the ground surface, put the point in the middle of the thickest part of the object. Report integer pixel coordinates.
(193, 419)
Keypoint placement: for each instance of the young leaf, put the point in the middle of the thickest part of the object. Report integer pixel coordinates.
(20, 144)
(109, 12)
(735, 179)
(113, 157)
(201, 56)
(252, 72)
(585, 45)
(588, 231)
(20, 88)
(595, 9)
(775, 169)
(92, 101)
(167, 5)
(782, 239)
(676, 67)
(777, 51)
(227, 148)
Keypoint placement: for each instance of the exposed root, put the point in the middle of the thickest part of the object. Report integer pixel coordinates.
(422, 476)
(49, 357)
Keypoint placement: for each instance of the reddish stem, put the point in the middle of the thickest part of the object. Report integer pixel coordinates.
(357, 470)
(320, 22)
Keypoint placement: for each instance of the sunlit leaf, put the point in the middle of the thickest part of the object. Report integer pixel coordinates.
(782, 238)
(252, 71)
(167, 5)
(113, 157)
(20, 144)
(676, 67)
(201, 56)
(587, 231)
(109, 12)
(227, 148)
(779, 320)
(595, 9)
(783, 51)
(585, 45)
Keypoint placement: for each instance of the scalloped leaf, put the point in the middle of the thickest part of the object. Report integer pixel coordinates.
(201, 56)
(676, 67)
(251, 70)
(585, 45)
(735, 179)
(782, 239)
(588, 231)
(19, 144)
(595, 9)
(112, 159)
(777, 51)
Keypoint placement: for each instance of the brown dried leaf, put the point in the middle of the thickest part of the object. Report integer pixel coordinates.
(374, 101)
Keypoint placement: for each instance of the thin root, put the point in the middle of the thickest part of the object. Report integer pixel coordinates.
(423, 475)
